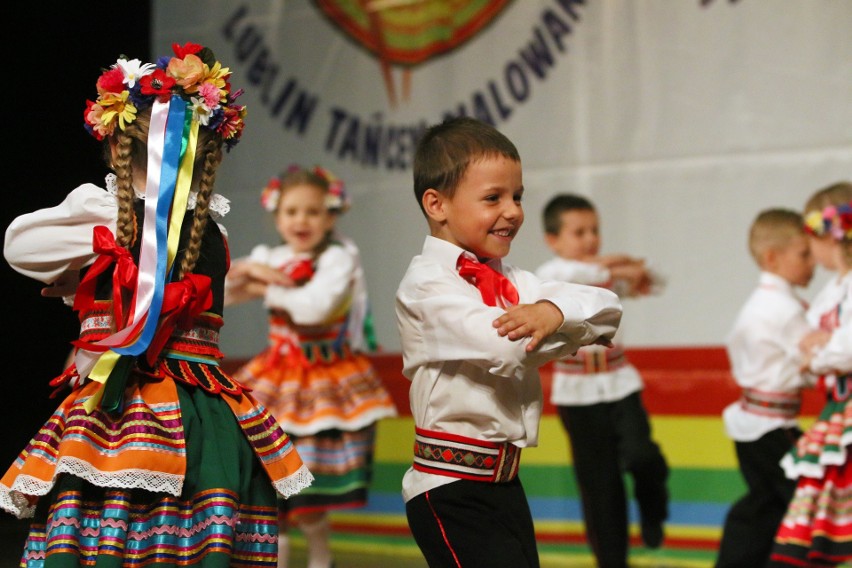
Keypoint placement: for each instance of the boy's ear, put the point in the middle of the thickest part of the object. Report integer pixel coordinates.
(550, 240)
(769, 258)
(433, 205)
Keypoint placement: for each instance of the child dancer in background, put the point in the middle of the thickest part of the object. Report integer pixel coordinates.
(817, 528)
(314, 377)
(597, 392)
(763, 347)
(156, 456)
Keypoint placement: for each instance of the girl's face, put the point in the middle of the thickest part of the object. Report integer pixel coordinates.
(302, 218)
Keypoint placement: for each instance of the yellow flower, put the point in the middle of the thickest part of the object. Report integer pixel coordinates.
(117, 107)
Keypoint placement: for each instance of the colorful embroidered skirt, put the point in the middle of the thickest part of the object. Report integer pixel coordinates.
(307, 396)
(342, 465)
(179, 477)
(817, 527)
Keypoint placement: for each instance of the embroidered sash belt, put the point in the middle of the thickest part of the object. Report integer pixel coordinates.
(592, 361)
(441, 453)
(773, 404)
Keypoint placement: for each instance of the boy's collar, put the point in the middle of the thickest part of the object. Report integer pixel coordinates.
(447, 253)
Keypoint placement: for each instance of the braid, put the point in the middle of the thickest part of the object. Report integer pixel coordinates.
(211, 155)
(122, 164)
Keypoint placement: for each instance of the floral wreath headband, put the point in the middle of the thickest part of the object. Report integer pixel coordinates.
(193, 74)
(336, 200)
(834, 220)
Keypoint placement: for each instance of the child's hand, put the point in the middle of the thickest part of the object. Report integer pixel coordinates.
(65, 285)
(812, 341)
(535, 321)
(259, 273)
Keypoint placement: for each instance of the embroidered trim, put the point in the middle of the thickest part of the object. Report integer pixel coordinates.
(441, 453)
(592, 361)
(209, 377)
(773, 404)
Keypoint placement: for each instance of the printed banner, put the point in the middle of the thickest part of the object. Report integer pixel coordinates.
(681, 120)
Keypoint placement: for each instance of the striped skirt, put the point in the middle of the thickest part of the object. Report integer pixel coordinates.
(179, 476)
(817, 528)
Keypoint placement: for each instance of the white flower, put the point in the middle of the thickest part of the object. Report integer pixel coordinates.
(200, 111)
(134, 70)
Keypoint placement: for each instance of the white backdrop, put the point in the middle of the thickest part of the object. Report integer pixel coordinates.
(681, 119)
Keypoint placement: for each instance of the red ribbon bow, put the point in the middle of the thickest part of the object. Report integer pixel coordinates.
(300, 271)
(123, 278)
(491, 284)
(182, 302)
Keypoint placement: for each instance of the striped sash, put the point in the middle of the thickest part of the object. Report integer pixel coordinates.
(772, 404)
(441, 453)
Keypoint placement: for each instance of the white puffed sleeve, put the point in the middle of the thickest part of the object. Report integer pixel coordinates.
(45, 243)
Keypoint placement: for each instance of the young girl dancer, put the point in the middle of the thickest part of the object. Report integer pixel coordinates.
(817, 527)
(156, 456)
(314, 377)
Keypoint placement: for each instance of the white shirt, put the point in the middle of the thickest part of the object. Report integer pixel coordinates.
(465, 378)
(836, 356)
(763, 348)
(572, 389)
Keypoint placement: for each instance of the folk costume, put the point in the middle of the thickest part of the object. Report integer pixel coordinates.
(597, 394)
(763, 347)
(156, 455)
(315, 376)
(817, 527)
(476, 399)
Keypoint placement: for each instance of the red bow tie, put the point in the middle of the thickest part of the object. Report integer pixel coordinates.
(491, 284)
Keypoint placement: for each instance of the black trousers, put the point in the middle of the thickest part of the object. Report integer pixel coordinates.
(608, 439)
(474, 524)
(752, 521)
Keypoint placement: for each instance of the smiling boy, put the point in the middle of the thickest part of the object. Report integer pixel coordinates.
(474, 332)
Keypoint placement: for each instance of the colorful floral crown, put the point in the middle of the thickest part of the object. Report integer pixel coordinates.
(834, 220)
(194, 75)
(337, 199)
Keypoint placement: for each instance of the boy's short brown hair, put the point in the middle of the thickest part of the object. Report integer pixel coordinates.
(773, 229)
(445, 151)
(552, 215)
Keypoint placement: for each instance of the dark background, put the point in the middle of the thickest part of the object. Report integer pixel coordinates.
(48, 153)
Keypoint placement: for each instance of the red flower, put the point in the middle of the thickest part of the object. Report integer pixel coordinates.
(112, 81)
(158, 83)
(186, 49)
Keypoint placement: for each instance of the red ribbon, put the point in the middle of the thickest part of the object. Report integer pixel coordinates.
(491, 284)
(300, 271)
(182, 302)
(123, 278)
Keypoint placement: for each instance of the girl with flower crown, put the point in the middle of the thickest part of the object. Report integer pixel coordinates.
(156, 456)
(817, 529)
(314, 376)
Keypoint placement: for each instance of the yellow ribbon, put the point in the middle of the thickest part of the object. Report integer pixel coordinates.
(107, 361)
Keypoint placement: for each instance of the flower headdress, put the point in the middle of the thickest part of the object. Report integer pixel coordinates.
(336, 200)
(193, 74)
(834, 220)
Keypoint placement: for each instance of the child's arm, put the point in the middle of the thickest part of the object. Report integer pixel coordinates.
(322, 297)
(830, 352)
(536, 321)
(46, 243)
(248, 280)
(444, 320)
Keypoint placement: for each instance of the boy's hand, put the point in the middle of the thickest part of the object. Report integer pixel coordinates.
(535, 321)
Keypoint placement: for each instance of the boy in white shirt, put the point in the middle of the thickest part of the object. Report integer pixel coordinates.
(766, 362)
(474, 332)
(597, 392)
